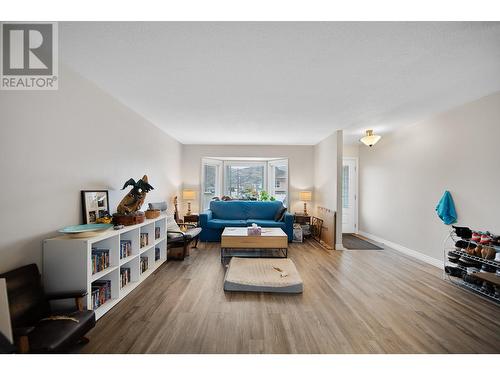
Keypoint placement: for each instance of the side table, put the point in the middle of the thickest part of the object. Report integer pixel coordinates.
(192, 219)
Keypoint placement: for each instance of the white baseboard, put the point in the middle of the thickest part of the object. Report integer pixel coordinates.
(415, 254)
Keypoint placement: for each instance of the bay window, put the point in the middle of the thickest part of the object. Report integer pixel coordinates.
(244, 179)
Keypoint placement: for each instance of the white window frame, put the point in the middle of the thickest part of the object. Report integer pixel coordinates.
(230, 163)
(218, 180)
(271, 164)
(221, 188)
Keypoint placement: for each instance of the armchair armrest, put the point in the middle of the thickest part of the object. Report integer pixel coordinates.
(173, 239)
(22, 331)
(66, 295)
(76, 294)
(205, 217)
(288, 219)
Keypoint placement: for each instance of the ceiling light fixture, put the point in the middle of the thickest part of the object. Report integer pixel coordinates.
(370, 139)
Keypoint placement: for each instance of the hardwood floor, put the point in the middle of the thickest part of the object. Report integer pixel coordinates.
(353, 302)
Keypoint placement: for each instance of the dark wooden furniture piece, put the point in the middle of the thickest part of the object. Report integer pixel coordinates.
(302, 219)
(36, 328)
(193, 218)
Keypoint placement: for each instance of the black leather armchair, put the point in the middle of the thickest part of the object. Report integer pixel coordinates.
(181, 241)
(36, 328)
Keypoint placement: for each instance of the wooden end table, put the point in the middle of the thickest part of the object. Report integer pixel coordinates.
(302, 219)
(193, 218)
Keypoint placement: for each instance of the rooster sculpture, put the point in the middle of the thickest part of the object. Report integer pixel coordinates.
(133, 201)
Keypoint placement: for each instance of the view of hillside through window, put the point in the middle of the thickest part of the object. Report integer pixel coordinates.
(244, 181)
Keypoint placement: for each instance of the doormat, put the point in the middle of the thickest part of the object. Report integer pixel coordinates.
(353, 242)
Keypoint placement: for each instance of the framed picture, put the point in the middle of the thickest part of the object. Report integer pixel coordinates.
(95, 204)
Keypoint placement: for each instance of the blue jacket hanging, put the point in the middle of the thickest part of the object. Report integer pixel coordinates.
(446, 209)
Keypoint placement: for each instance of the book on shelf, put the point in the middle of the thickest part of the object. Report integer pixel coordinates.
(101, 292)
(124, 276)
(100, 259)
(144, 239)
(157, 233)
(144, 264)
(157, 254)
(125, 248)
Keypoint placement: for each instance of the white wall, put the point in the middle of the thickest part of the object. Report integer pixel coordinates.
(54, 144)
(350, 150)
(403, 177)
(325, 184)
(325, 173)
(300, 163)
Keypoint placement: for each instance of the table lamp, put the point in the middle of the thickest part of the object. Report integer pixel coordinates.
(305, 196)
(188, 195)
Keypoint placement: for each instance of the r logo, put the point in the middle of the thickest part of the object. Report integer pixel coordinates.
(27, 49)
(29, 54)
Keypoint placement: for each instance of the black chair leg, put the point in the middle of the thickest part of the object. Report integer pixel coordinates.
(84, 340)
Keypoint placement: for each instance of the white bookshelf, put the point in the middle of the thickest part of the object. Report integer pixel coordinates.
(67, 262)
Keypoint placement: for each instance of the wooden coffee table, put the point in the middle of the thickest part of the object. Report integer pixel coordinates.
(237, 239)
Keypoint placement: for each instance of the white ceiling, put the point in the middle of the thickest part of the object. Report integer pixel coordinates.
(285, 82)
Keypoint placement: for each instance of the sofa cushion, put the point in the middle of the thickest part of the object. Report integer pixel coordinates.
(221, 224)
(231, 210)
(266, 223)
(243, 210)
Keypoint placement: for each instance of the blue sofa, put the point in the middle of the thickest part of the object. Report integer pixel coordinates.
(242, 214)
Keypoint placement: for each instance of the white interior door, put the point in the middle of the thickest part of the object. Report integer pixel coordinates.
(349, 196)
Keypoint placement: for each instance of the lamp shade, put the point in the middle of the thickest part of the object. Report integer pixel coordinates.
(188, 195)
(305, 195)
(370, 139)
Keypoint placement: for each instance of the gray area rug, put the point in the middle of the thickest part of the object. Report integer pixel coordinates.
(353, 242)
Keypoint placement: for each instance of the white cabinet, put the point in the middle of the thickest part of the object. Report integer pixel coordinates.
(67, 262)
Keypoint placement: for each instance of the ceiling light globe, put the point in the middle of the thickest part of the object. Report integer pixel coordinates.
(370, 139)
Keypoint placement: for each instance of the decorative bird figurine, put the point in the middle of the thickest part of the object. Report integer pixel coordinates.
(133, 201)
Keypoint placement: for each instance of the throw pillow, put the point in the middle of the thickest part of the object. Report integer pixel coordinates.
(172, 227)
(280, 214)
